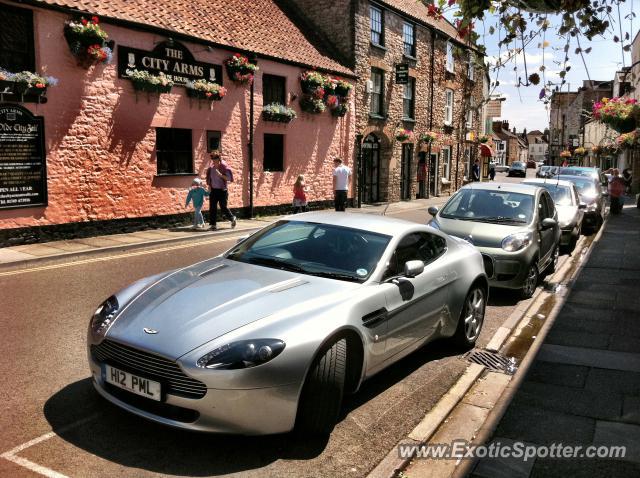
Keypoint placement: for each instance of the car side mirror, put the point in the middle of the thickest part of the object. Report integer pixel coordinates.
(413, 268)
(582, 206)
(433, 211)
(548, 223)
(241, 238)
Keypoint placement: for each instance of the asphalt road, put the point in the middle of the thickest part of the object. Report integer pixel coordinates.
(45, 386)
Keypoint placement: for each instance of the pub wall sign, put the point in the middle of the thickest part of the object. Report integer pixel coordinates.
(171, 58)
(23, 175)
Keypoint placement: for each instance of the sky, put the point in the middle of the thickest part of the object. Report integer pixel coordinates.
(522, 108)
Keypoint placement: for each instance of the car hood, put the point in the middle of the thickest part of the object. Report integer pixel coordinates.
(197, 304)
(567, 214)
(483, 234)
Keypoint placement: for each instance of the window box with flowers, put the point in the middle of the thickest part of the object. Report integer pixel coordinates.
(88, 41)
(240, 69)
(205, 90)
(278, 113)
(428, 137)
(403, 135)
(620, 114)
(145, 81)
(25, 83)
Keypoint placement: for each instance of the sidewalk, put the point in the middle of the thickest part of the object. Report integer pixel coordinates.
(584, 386)
(18, 256)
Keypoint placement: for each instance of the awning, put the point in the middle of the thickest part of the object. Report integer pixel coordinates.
(486, 151)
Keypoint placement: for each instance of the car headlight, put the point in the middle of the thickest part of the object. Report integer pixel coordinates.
(242, 354)
(515, 242)
(104, 315)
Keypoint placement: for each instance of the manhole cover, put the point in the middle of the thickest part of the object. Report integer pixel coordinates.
(495, 362)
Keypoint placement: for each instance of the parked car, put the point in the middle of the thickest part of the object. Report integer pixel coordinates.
(500, 168)
(570, 209)
(531, 164)
(595, 173)
(547, 171)
(517, 169)
(271, 333)
(594, 196)
(514, 226)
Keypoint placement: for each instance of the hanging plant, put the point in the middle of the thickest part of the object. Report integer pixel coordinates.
(145, 81)
(483, 139)
(240, 69)
(565, 154)
(580, 151)
(338, 105)
(628, 140)
(618, 113)
(310, 104)
(28, 83)
(343, 88)
(428, 137)
(88, 41)
(595, 149)
(310, 81)
(205, 90)
(403, 134)
(278, 113)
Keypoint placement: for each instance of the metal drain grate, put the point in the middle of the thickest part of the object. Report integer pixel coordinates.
(495, 362)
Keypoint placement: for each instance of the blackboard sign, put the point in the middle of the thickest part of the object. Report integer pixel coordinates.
(402, 73)
(23, 174)
(170, 58)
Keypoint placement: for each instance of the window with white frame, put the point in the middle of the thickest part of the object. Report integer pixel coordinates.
(470, 108)
(376, 105)
(445, 155)
(409, 39)
(408, 99)
(470, 67)
(450, 63)
(377, 25)
(448, 108)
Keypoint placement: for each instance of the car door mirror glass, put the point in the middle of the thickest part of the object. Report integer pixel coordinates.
(433, 211)
(413, 268)
(582, 206)
(548, 223)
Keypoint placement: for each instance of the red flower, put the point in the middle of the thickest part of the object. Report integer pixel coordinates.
(319, 93)
(84, 21)
(451, 2)
(40, 85)
(95, 20)
(208, 94)
(237, 55)
(434, 11)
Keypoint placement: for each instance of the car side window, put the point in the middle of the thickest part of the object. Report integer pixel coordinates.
(550, 205)
(543, 208)
(417, 246)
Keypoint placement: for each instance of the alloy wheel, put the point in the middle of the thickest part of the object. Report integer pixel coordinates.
(474, 314)
(530, 282)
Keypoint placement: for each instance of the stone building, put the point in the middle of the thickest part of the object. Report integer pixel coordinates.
(414, 73)
(113, 155)
(508, 144)
(537, 144)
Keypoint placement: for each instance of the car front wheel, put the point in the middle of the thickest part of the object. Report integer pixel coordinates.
(322, 393)
(530, 282)
(471, 318)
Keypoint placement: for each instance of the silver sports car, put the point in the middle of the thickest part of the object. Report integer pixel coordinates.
(271, 334)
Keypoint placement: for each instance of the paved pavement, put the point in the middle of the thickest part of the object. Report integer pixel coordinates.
(584, 386)
(17, 256)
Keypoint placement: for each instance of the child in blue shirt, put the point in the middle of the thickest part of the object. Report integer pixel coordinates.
(197, 193)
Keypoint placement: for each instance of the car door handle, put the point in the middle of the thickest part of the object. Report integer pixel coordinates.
(374, 318)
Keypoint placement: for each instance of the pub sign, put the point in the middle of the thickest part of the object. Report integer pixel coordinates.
(23, 175)
(402, 73)
(170, 58)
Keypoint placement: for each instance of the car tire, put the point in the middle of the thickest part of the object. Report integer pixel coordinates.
(530, 283)
(321, 397)
(471, 318)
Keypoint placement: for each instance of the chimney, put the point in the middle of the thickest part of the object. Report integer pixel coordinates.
(505, 126)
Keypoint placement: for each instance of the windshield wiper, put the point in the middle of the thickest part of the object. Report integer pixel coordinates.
(334, 275)
(276, 263)
(500, 219)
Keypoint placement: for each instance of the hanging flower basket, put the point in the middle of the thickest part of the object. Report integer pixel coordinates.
(343, 88)
(27, 83)
(310, 81)
(278, 113)
(240, 69)
(618, 113)
(88, 41)
(145, 81)
(628, 140)
(428, 137)
(483, 139)
(580, 151)
(205, 90)
(403, 135)
(565, 154)
(310, 104)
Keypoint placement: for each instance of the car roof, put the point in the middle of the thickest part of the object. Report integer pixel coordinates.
(552, 181)
(507, 187)
(569, 177)
(367, 222)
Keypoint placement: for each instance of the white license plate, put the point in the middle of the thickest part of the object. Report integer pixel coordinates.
(133, 383)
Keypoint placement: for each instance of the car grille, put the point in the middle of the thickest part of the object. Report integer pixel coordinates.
(174, 381)
(488, 265)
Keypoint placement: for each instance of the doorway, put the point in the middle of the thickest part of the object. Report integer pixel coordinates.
(405, 172)
(370, 172)
(433, 175)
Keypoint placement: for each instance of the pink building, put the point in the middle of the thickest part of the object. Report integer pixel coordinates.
(113, 152)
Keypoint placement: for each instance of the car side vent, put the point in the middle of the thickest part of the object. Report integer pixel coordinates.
(212, 270)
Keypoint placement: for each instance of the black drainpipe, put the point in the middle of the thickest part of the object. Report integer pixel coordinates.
(253, 60)
(358, 168)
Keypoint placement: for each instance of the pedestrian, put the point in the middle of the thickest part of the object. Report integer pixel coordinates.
(492, 171)
(299, 195)
(627, 176)
(475, 171)
(616, 192)
(341, 175)
(197, 194)
(219, 175)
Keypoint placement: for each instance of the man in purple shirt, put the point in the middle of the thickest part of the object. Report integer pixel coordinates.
(218, 175)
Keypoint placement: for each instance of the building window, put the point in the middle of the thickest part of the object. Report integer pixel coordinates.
(377, 92)
(377, 25)
(213, 141)
(409, 39)
(273, 89)
(409, 99)
(16, 39)
(445, 154)
(448, 108)
(174, 151)
(450, 63)
(273, 152)
(470, 109)
(470, 67)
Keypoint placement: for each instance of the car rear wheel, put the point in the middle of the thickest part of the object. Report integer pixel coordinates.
(471, 318)
(530, 282)
(323, 389)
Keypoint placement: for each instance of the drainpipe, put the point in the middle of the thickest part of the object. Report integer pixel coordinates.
(432, 66)
(358, 168)
(250, 145)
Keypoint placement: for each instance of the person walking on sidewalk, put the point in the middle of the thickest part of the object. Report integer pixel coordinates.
(299, 195)
(475, 171)
(616, 192)
(341, 175)
(197, 194)
(218, 176)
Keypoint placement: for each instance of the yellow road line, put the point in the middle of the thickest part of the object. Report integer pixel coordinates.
(120, 256)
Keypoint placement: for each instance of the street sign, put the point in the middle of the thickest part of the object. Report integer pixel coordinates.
(402, 73)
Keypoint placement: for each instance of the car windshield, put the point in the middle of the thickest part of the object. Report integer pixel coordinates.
(561, 194)
(517, 164)
(314, 249)
(490, 206)
(586, 185)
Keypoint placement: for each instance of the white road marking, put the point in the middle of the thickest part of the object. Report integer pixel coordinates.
(11, 455)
